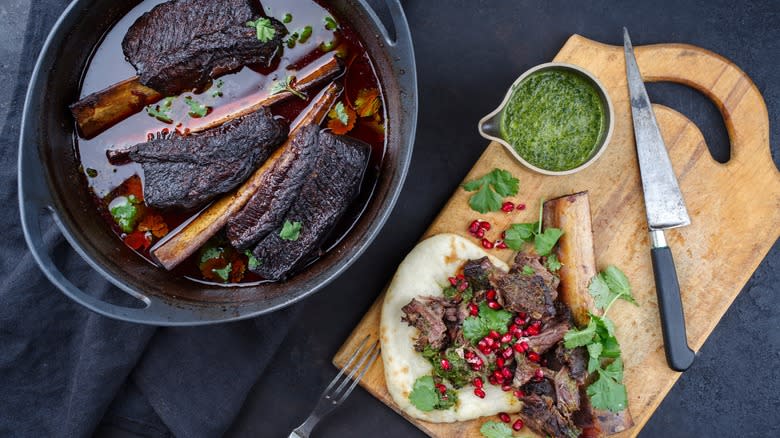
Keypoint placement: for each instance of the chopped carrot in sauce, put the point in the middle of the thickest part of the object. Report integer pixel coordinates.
(368, 102)
(154, 223)
(138, 240)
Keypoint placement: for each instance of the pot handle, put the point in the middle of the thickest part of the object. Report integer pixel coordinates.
(400, 38)
(32, 209)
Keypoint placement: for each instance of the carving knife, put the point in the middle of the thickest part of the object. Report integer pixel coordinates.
(665, 209)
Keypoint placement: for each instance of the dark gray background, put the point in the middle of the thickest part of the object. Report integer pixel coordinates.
(468, 52)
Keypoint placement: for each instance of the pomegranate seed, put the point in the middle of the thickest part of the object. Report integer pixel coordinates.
(460, 277)
(492, 380)
(523, 315)
(517, 425)
(487, 244)
(533, 356)
(500, 362)
(498, 374)
(518, 333)
(519, 393)
(490, 294)
(501, 245)
(507, 206)
(504, 417)
(485, 350)
(524, 345)
(482, 343)
(474, 226)
(445, 365)
(442, 389)
(506, 387)
(485, 225)
(539, 374)
(520, 206)
(507, 373)
(473, 309)
(489, 341)
(533, 330)
(507, 353)
(512, 328)
(506, 338)
(494, 335)
(519, 321)
(518, 347)
(479, 392)
(494, 305)
(476, 366)
(480, 233)
(453, 281)
(463, 285)
(468, 354)
(477, 382)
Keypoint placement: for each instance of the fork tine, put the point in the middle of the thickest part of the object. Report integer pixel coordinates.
(346, 365)
(356, 369)
(360, 376)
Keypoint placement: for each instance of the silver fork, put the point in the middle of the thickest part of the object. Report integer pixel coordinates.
(334, 395)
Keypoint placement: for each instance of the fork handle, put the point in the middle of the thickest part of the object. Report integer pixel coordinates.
(305, 428)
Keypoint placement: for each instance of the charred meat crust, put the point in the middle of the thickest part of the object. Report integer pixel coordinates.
(533, 293)
(324, 197)
(188, 171)
(181, 45)
(280, 186)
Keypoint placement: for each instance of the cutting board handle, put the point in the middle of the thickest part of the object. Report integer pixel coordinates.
(731, 89)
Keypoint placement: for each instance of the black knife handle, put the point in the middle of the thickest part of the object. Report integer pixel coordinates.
(678, 355)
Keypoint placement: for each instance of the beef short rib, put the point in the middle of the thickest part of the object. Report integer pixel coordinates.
(180, 45)
(324, 197)
(188, 171)
(280, 186)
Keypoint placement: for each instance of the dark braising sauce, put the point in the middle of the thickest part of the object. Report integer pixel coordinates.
(117, 189)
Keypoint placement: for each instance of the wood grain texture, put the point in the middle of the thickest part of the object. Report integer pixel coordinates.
(734, 208)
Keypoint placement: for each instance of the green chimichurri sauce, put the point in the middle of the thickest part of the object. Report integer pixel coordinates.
(554, 119)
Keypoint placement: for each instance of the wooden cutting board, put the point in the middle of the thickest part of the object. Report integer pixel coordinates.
(734, 208)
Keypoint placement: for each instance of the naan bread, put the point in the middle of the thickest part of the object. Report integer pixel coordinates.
(424, 272)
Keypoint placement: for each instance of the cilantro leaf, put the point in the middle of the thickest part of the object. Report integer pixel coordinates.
(491, 190)
(545, 241)
(161, 111)
(197, 109)
(252, 261)
(485, 200)
(527, 270)
(286, 85)
(212, 252)
(287, 18)
(264, 28)
(494, 429)
(552, 263)
(618, 283)
(305, 34)
(577, 338)
(223, 273)
(594, 354)
(518, 234)
(423, 395)
(290, 230)
(341, 113)
(92, 173)
(330, 23)
(614, 370)
(607, 393)
(124, 212)
(599, 289)
(477, 327)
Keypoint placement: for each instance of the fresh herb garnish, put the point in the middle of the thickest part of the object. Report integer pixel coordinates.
(197, 109)
(518, 234)
(252, 261)
(327, 46)
(305, 34)
(223, 273)
(212, 252)
(341, 114)
(527, 270)
(491, 190)
(92, 173)
(459, 373)
(162, 110)
(292, 40)
(264, 28)
(287, 18)
(290, 230)
(552, 263)
(477, 327)
(494, 429)
(608, 391)
(367, 102)
(124, 212)
(544, 241)
(217, 88)
(426, 397)
(286, 85)
(330, 23)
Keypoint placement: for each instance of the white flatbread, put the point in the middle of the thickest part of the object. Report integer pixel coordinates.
(424, 272)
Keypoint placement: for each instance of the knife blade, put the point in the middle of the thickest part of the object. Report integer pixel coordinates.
(664, 207)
